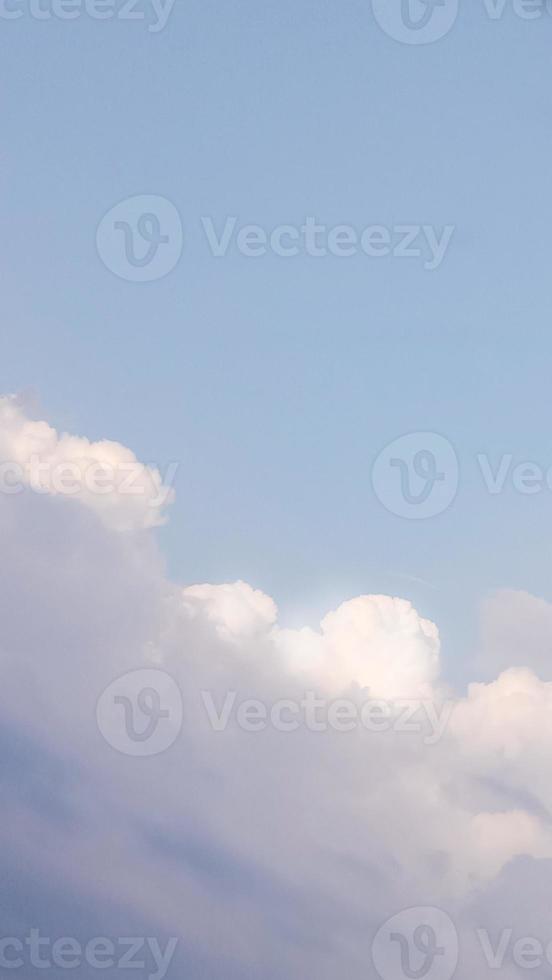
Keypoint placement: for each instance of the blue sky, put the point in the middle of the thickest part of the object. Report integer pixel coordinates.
(276, 382)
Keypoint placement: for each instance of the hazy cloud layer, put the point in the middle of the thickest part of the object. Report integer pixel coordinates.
(270, 853)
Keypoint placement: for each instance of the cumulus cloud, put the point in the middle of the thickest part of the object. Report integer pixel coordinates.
(268, 852)
(237, 610)
(378, 642)
(104, 476)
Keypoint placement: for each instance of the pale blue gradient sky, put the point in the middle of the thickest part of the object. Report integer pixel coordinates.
(275, 382)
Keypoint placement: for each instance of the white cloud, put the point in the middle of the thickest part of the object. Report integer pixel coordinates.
(104, 476)
(374, 641)
(237, 610)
